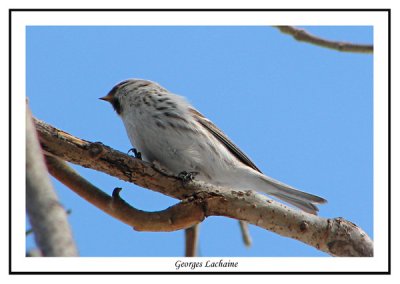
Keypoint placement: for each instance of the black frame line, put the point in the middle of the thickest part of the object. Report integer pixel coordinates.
(11, 11)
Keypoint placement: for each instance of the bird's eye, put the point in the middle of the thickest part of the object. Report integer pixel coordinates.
(116, 105)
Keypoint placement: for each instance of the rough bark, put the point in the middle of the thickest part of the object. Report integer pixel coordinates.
(337, 237)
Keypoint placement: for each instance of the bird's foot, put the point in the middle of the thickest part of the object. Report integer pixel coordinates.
(187, 176)
(136, 153)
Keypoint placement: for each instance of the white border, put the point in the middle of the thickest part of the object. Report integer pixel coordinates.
(22, 19)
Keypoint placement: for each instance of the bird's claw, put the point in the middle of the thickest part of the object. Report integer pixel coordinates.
(136, 153)
(187, 176)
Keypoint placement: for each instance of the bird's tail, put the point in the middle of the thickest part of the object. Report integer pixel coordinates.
(259, 182)
(303, 200)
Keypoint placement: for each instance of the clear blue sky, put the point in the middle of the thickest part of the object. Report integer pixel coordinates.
(302, 113)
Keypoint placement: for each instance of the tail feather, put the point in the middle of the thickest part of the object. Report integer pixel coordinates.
(243, 178)
(303, 205)
(303, 200)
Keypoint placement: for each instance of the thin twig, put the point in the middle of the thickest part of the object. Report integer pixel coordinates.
(304, 36)
(244, 229)
(191, 240)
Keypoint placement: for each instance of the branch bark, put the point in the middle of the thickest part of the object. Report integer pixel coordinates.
(337, 237)
(180, 216)
(49, 221)
(191, 240)
(304, 36)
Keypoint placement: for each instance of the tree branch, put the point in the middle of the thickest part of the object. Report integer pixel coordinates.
(191, 240)
(244, 229)
(337, 237)
(303, 35)
(49, 221)
(180, 216)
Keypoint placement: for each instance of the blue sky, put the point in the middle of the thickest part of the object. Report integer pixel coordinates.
(302, 113)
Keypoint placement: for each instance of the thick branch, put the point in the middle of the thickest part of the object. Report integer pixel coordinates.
(335, 236)
(104, 159)
(303, 35)
(49, 221)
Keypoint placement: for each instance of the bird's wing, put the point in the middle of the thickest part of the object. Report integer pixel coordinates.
(217, 133)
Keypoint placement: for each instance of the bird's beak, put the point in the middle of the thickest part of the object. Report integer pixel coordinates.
(107, 98)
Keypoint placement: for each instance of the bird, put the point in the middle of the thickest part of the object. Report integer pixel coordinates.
(166, 129)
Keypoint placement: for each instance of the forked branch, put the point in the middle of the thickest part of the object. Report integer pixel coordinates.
(337, 237)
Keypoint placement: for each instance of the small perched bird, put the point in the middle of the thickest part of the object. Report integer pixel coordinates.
(167, 130)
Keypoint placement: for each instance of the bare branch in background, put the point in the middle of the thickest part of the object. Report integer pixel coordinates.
(191, 240)
(304, 36)
(245, 233)
(47, 217)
